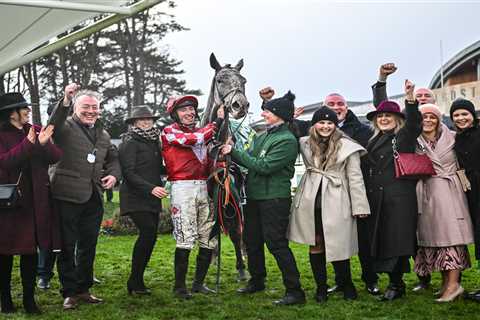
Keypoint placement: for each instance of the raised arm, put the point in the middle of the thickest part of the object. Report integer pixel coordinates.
(379, 89)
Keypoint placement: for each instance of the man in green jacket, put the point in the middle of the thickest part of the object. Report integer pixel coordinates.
(270, 163)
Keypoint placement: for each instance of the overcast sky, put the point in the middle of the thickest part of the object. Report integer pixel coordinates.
(316, 47)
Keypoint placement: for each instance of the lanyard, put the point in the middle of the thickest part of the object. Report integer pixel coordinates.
(85, 132)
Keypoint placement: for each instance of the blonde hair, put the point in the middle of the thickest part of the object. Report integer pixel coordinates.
(399, 124)
(324, 158)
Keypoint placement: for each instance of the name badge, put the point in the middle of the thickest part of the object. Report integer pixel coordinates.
(91, 158)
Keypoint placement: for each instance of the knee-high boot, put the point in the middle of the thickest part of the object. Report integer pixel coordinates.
(319, 270)
(6, 263)
(203, 262)
(28, 272)
(181, 268)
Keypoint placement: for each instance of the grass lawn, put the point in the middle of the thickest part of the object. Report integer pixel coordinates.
(113, 263)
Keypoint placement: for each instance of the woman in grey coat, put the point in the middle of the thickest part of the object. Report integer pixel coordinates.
(329, 198)
(444, 225)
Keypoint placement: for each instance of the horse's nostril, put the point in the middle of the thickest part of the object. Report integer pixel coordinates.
(235, 105)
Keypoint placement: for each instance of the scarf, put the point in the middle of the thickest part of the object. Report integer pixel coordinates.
(151, 134)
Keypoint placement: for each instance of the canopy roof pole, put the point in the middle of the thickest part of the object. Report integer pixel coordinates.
(66, 5)
(78, 35)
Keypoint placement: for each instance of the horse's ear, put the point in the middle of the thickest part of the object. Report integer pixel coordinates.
(214, 62)
(239, 65)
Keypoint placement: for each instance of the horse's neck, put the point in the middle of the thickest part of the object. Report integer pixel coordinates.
(212, 105)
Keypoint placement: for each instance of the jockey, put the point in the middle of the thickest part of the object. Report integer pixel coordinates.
(184, 149)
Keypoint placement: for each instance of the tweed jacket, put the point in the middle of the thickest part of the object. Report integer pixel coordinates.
(74, 178)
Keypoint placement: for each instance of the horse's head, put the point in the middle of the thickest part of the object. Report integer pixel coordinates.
(229, 87)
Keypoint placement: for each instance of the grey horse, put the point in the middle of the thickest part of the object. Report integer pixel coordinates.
(228, 89)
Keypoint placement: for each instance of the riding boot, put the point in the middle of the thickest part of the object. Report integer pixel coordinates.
(181, 268)
(6, 263)
(203, 262)
(28, 272)
(319, 270)
(344, 276)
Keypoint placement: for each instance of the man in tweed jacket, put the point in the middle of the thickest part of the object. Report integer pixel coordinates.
(77, 183)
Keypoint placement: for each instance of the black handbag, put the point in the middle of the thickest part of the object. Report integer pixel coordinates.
(10, 194)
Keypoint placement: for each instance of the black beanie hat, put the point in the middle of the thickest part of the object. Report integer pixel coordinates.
(325, 113)
(281, 107)
(461, 103)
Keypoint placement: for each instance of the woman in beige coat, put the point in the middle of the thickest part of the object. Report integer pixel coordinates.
(444, 225)
(330, 196)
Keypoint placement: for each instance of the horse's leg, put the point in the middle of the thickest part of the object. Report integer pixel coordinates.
(236, 239)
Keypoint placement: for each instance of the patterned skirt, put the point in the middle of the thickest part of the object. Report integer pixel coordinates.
(430, 259)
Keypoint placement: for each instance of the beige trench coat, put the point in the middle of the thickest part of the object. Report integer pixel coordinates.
(443, 219)
(343, 197)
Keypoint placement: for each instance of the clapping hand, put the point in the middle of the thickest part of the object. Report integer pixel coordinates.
(45, 134)
(32, 136)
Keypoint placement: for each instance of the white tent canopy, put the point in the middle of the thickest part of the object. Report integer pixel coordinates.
(27, 24)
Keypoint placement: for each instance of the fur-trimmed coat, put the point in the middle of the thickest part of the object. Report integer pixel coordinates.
(343, 197)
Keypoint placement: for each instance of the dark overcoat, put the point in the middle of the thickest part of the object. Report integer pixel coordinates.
(35, 222)
(393, 201)
(467, 147)
(142, 167)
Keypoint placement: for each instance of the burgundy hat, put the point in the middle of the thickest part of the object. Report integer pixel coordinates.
(386, 106)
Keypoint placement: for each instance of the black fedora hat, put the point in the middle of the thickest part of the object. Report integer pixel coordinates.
(140, 112)
(12, 100)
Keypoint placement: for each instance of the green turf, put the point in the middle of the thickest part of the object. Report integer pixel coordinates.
(113, 263)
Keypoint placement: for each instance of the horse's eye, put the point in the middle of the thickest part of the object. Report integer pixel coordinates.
(219, 81)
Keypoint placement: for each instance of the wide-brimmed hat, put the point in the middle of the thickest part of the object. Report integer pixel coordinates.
(386, 106)
(141, 112)
(12, 100)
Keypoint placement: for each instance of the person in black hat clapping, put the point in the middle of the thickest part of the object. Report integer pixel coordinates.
(25, 154)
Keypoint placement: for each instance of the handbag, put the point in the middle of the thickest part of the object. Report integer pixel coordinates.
(462, 176)
(412, 165)
(10, 194)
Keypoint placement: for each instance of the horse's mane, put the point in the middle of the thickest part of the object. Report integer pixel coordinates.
(210, 104)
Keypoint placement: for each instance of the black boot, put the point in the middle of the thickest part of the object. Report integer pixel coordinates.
(319, 270)
(203, 262)
(344, 278)
(396, 288)
(28, 272)
(6, 263)
(181, 268)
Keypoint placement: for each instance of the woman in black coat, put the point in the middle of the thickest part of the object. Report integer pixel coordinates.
(141, 190)
(467, 147)
(393, 201)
